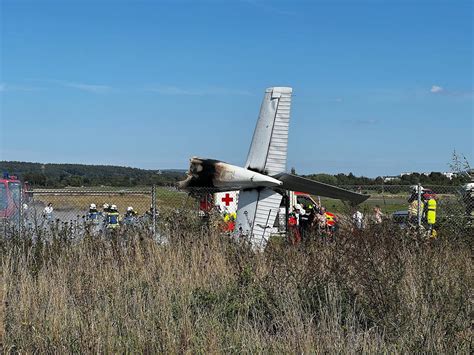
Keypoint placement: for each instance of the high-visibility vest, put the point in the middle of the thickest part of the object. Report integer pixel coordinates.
(330, 219)
(413, 208)
(113, 219)
(431, 212)
(230, 217)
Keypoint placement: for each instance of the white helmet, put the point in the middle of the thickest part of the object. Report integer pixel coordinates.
(113, 207)
(129, 209)
(92, 206)
(105, 206)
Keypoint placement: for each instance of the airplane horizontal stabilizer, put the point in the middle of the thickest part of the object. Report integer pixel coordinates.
(297, 183)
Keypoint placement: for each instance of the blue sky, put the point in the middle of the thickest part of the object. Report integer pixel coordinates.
(380, 87)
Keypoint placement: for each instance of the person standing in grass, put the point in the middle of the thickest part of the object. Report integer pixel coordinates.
(113, 217)
(413, 208)
(48, 212)
(378, 214)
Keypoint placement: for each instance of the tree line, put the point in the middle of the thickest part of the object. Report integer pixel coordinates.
(62, 175)
(434, 178)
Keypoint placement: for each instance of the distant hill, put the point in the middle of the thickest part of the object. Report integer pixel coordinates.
(60, 175)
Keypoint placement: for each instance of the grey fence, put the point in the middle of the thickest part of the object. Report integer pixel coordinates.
(157, 209)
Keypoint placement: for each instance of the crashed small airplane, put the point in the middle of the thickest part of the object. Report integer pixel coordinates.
(263, 181)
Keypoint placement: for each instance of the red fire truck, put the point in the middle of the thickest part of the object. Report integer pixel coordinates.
(12, 195)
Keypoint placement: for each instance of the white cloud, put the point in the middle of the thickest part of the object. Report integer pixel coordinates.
(15, 87)
(97, 89)
(436, 89)
(173, 90)
(363, 122)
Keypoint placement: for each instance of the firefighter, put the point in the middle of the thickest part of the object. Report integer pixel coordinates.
(229, 220)
(130, 212)
(93, 208)
(113, 218)
(130, 216)
(331, 222)
(415, 207)
(431, 216)
(299, 211)
(305, 222)
(93, 213)
(105, 209)
(294, 236)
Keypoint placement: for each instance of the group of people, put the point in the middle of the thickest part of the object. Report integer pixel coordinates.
(304, 220)
(422, 209)
(110, 215)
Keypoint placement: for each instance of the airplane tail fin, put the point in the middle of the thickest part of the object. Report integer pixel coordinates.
(297, 183)
(268, 150)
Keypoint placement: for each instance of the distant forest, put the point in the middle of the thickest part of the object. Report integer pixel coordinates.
(433, 178)
(62, 175)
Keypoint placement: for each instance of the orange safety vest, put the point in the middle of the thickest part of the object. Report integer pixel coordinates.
(330, 219)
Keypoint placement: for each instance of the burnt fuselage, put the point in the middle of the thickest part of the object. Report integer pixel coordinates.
(219, 176)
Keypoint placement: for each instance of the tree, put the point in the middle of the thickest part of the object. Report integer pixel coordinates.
(459, 163)
(325, 178)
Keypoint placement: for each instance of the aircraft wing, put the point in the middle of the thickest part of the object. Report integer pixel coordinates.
(297, 183)
(268, 150)
(256, 213)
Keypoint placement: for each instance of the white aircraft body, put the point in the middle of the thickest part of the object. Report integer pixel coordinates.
(263, 180)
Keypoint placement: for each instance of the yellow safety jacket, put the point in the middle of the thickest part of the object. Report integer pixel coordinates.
(431, 212)
(230, 217)
(413, 208)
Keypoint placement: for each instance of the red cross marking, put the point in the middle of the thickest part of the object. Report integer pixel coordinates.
(227, 199)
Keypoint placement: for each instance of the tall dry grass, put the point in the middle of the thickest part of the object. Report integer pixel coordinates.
(201, 293)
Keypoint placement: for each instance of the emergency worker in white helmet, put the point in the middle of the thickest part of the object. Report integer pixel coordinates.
(113, 218)
(130, 212)
(129, 216)
(93, 213)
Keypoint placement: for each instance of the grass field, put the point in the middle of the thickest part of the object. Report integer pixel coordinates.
(78, 200)
(377, 292)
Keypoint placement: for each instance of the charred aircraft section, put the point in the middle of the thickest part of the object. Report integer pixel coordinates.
(219, 176)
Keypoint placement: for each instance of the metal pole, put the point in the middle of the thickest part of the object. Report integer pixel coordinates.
(419, 205)
(20, 210)
(287, 211)
(153, 204)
